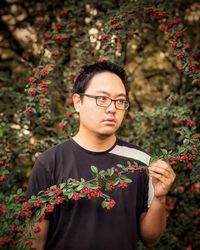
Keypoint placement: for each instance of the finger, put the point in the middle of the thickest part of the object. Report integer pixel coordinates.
(162, 175)
(160, 163)
(166, 181)
(162, 167)
(159, 170)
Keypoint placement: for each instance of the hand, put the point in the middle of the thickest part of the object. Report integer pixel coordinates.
(163, 177)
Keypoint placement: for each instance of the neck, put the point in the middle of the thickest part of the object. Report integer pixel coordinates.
(96, 143)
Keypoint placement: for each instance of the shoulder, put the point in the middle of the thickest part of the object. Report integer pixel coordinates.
(55, 151)
(50, 159)
(129, 145)
(128, 150)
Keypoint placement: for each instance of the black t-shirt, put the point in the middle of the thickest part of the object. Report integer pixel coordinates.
(84, 224)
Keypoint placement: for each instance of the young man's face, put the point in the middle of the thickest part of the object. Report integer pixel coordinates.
(103, 121)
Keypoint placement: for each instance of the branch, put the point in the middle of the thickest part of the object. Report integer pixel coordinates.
(15, 45)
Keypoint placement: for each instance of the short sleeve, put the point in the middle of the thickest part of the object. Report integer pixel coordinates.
(39, 180)
(146, 194)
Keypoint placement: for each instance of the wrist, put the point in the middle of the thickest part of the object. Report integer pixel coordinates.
(161, 199)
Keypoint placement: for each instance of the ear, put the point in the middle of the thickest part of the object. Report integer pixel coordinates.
(77, 102)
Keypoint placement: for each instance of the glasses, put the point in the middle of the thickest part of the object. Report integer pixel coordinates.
(104, 101)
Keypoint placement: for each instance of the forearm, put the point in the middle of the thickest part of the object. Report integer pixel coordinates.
(153, 223)
(41, 236)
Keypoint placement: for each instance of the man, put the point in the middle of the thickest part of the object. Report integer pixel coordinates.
(100, 97)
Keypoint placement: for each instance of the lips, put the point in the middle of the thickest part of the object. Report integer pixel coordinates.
(110, 120)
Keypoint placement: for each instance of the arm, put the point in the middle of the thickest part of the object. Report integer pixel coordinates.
(39, 180)
(41, 236)
(153, 222)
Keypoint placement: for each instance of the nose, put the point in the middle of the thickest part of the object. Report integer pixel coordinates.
(111, 107)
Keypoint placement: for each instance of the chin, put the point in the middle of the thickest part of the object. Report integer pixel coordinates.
(108, 132)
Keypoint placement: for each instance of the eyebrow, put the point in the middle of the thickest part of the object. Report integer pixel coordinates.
(106, 93)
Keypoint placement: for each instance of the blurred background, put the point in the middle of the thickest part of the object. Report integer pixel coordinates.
(44, 44)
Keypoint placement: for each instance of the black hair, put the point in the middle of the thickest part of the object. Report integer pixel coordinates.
(87, 72)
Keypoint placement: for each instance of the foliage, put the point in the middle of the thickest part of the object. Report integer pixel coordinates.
(43, 114)
(25, 216)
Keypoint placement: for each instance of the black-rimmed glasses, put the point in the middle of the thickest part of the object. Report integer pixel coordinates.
(104, 101)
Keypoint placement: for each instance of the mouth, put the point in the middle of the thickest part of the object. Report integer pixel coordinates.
(110, 120)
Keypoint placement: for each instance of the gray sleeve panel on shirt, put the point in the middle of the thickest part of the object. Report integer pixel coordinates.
(151, 192)
(139, 155)
(131, 153)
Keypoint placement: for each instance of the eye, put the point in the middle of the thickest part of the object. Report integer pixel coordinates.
(102, 98)
(121, 101)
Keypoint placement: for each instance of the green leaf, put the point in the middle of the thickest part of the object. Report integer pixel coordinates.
(33, 197)
(75, 184)
(51, 194)
(119, 165)
(19, 191)
(111, 171)
(79, 187)
(153, 158)
(104, 204)
(116, 181)
(65, 192)
(164, 151)
(123, 177)
(129, 163)
(69, 180)
(82, 195)
(62, 185)
(92, 186)
(37, 213)
(94, 169)
(186, 142)
(102, 172)
(128, 180)
(108, 172)
(41, 192)
(69, 195)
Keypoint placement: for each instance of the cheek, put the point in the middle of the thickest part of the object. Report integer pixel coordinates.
(91, 115)
(120, 117)
(94, 111)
